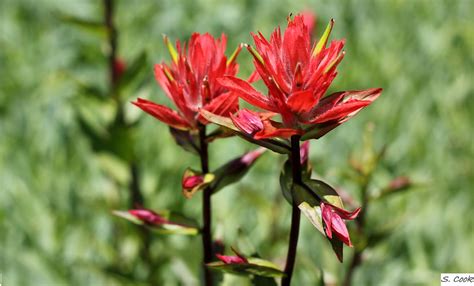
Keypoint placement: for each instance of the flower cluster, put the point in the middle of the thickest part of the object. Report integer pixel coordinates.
(297, 72)
(297, 75)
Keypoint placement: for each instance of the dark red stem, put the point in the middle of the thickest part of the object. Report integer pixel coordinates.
(206, 208)
(295, 214)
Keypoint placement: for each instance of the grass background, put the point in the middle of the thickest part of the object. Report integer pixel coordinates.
(56, 192)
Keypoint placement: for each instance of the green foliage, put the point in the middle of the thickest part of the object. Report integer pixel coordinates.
(57, 191)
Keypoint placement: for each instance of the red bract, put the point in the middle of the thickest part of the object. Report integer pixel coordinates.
(192, 181)
(190, 82)
(333, 220)
(309, 19)
(119, 67)
(297, 75)
(237, 259)
(148, 216)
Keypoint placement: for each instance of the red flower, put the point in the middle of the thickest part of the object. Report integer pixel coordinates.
(333, 220)
(190, 82)
(297, 75)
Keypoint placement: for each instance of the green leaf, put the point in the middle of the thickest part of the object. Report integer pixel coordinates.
(173, 226)
(313, 213)
(325, 191)
(263, 281)
(338, 248)
(310, 207)
(234, 170)
(255, 266)
(316, 131)
(286, 181)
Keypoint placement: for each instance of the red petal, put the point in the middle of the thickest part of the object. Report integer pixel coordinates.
(247, 121)
(309, 19)
(246, 92)
(327, 213)
(251, 156)
(253, 77)
(340, 229)
(162, 113)
(272, 129)
(231, 259)
(192, 181)
(148, 216)
(340, 111)
(346, 214)
(304, 152)
(302, 101)
(222, 105)
(341, 104)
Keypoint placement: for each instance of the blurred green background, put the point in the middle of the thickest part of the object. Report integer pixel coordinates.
(57, 189)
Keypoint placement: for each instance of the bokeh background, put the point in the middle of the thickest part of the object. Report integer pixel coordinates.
(58, 184)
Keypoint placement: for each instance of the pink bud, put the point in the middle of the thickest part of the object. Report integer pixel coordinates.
(192, 181)
(304, 152)
(148, 216)
(399, 183)
(119, 67)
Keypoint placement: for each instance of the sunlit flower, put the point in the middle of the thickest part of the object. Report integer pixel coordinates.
(297, 74)
(190, 82)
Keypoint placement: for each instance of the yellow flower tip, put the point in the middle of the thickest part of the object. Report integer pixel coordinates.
(171, 49)
(324, 38)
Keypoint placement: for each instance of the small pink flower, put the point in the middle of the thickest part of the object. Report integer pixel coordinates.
(119, 67)
(237, 259)
(192, 181)
(333, 220)
(148, 216)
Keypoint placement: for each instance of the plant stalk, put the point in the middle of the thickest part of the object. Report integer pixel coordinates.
(360, 220)
(206, 208)
(295, 214)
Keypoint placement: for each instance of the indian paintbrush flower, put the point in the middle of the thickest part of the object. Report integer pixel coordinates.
(190, 81)
(333, 221)
(297, 75)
